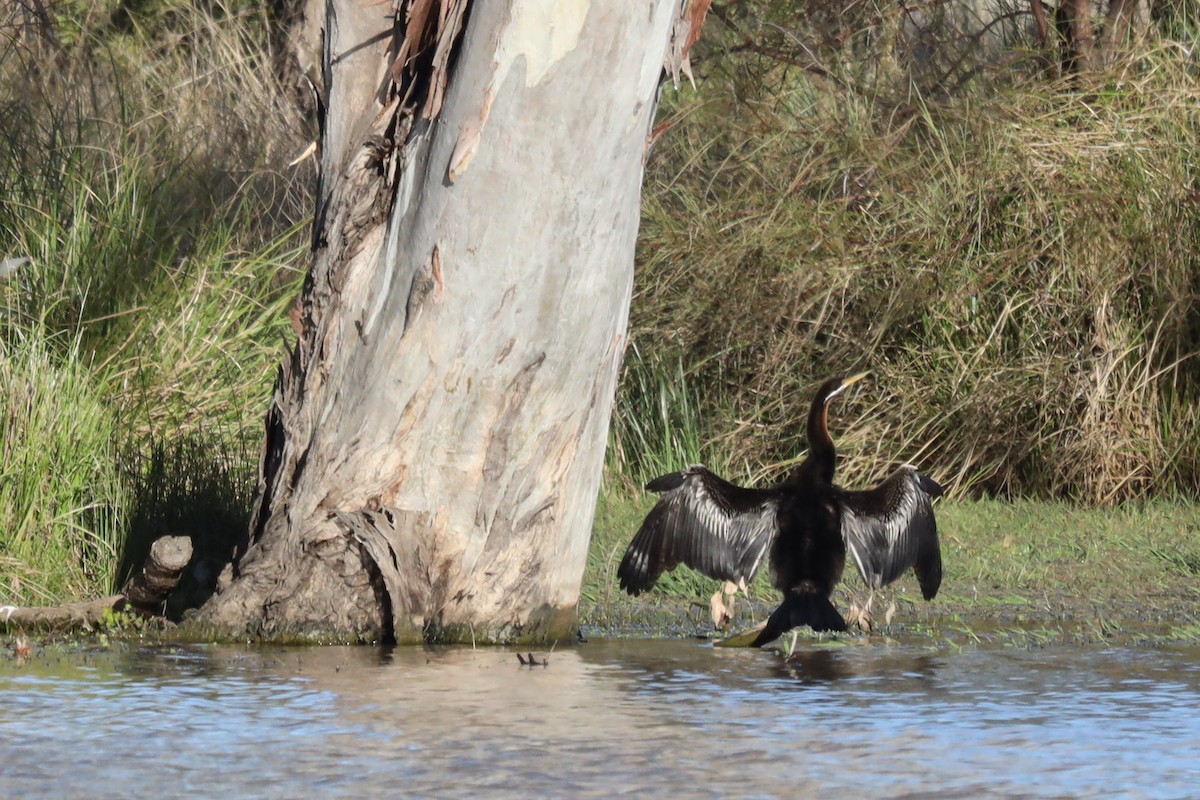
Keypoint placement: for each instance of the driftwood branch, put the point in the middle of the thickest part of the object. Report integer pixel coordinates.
(84, 614)
(144, 593)
(532, 661)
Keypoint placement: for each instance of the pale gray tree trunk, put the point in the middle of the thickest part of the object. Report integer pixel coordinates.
(435, 442)
(1076, 35)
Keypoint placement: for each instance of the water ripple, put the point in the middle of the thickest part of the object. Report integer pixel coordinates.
(621, 717)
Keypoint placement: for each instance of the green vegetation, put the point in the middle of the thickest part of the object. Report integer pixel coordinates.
(63, 503)
(143, 179)
(1015, 257)
(1016, 264)
(1016, 572)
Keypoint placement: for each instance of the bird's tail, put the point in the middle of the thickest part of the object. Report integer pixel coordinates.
(804, 608)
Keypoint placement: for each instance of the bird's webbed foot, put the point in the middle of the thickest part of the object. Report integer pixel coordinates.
(860, 615)
(721, 604)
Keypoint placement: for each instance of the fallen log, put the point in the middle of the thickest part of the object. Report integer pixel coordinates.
(85, 614)
(145, 593)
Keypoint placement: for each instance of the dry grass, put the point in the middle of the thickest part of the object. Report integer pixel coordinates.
(1018, 266)
(145, 177)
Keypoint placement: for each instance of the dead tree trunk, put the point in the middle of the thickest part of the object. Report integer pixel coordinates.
(435, 441)
(1076, 35)
(1039, 19)
(1125, 19)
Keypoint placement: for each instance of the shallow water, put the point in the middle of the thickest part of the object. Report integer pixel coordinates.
(608, 717)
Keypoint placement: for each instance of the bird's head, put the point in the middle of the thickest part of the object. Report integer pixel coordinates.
(820, 444)
(835, 386)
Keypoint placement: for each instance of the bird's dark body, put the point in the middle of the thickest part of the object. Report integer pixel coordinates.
(808, 554)
(807, 558)
(804, 525)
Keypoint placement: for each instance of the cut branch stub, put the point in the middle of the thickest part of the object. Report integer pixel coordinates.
(149, 589)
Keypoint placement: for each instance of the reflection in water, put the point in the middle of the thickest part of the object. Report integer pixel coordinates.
(609, 717)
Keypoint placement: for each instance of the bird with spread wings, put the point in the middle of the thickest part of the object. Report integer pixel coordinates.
(804, 526)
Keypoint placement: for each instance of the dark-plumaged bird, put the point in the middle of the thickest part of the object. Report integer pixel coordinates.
(805, 523)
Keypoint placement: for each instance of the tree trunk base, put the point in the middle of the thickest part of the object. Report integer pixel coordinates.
(325, 594)
(338, 597)
(547, 625)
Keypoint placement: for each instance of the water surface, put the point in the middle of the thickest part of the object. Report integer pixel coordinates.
(606, 718)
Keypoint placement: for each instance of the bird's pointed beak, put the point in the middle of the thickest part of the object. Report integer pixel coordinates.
(853, 379)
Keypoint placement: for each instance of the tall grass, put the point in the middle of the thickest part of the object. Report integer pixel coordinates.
(1018, 264)
(145, 179)
(661, 422)
(64, 503)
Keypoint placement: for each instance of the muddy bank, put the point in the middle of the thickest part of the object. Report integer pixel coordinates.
(1022, 572)
(1002, 619)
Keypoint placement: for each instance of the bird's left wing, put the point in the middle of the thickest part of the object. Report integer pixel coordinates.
(891, 527)
(715, 527)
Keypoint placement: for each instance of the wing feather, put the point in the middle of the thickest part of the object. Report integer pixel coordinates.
(717, 528)
(891, 527)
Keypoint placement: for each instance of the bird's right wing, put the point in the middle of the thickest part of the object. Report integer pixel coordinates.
(891, 527)
(715, 527)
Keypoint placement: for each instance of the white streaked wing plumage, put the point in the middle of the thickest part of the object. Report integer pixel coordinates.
(890, 528)
(715, 527)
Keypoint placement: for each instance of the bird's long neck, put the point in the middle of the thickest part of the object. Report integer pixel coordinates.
(822, 458)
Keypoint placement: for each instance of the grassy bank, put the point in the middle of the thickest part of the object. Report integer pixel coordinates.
(146, 188)
(1017, 263)
(1021, 571)
(1015, 258)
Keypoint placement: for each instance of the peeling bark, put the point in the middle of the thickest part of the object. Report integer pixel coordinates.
(685, 33)
(434, 444)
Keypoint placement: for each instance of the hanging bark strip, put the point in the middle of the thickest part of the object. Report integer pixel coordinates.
(421, 46)
(685, 33)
